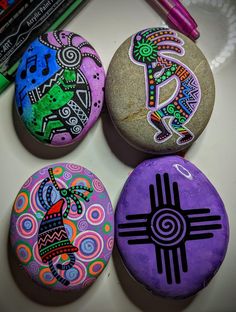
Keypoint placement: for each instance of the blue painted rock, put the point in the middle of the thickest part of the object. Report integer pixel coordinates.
(160, 91)
(171, 227)
(62, 227)
(59, 88)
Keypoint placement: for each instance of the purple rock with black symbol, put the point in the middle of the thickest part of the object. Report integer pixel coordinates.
(172, 229)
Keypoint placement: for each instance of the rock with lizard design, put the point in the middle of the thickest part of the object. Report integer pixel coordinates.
(160, 91)
(172, 229)
(62, 227)
(59, 88)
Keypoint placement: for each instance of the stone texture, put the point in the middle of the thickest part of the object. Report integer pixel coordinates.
(172, 229)
(126, 98)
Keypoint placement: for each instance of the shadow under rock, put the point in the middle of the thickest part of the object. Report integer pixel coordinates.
(34, 146)
(34, 291)
(123, 150)
(143, 299)
(120, 148)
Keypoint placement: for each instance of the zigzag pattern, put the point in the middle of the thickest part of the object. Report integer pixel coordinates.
(164, 61)
(52, 80)
(191, 93)
(48, 239)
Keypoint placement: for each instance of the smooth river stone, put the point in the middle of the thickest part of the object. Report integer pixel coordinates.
(62, 227)
(172, 229)
(59, 88)
(160, 91)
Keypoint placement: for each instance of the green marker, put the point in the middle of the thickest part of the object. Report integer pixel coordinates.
(21, 23)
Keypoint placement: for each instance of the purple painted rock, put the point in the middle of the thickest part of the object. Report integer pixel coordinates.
(171, 227)
(62, 227)
(59, 87)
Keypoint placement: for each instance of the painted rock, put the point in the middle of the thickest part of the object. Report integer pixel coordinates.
(160, 91)
(62, 227)
(59, 88)
(171, 227)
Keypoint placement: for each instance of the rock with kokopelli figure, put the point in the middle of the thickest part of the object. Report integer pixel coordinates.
(62, 227)
(160, 91)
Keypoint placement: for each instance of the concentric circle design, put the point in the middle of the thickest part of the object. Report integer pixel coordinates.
(88, 231)
(58, 171)
(168, 227)
(67, 175)
(98, 186)
(107, 228)
(26, 225)
(74, 168)
(77, 274)
(46, 277)
(88, 282)
(90, 245)
(110, 243)
(21, 202)
(33, 268)
(28, 182)
(73, 214)
(83, 225)
(55, 195)
(96, 267)
(82, 180)
(70, 229)
(95, 214)
(24, 253)
(69, 57)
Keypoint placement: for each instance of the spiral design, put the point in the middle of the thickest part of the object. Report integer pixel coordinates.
(26, 225)
(145, 49)
(76, 129)
(67, 175)
(90, 245)
(77, 274)
(73, 214)
(33, 268)
(110, 243)
(24, 253)
(170, 108)
(82, 225)
(73, 121)
(46, 277)
(168, 227)
(21, 202)
(28, 182)
(98, 186)
(88, 282)
(69, 57)
(74, 168)
(65, 112)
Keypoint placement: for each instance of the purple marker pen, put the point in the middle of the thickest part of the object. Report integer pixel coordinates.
(177, 15)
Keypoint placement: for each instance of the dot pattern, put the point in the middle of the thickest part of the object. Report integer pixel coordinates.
(91, 231)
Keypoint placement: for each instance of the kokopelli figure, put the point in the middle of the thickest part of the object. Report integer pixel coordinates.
(148, 49)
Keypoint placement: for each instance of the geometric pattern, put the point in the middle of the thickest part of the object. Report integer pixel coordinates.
(168, 227)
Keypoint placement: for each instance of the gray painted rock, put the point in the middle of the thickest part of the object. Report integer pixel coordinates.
(160, 91)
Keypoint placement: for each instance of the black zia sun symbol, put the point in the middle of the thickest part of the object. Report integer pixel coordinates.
(168, 227)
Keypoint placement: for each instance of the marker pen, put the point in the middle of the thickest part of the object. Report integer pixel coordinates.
(22, 22)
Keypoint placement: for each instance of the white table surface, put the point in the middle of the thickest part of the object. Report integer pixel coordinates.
(106, 24)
